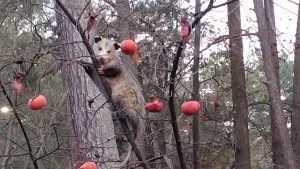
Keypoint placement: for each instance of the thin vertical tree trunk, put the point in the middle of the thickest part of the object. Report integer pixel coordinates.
(295, 117)
(283, 156)
(196, 95)
(93, 130)
(238, 85)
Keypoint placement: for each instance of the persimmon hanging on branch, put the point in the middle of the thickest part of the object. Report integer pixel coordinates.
(37, 102)
(190, 107)
(154, 105)
(185, 30)
(16, 84)
(91, 22)
(128, 46)
(88, 165)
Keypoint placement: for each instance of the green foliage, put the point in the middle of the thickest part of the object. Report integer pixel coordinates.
(286, 76)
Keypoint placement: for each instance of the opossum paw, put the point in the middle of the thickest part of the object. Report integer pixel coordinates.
(100, 70)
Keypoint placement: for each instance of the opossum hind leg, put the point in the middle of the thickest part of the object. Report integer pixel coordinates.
(129, 116)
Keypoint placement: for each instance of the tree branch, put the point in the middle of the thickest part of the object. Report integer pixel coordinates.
(23, 148)
(211, 6)
(13, 155)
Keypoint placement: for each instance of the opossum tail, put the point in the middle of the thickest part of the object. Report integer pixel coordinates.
(125, 160)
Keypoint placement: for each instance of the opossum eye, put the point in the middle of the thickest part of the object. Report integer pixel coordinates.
(108, 51)
(100, 49)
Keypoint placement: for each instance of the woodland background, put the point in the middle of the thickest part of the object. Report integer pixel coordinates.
(249, 93)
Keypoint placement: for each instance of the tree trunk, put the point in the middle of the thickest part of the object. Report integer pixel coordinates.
(283, 155)
(295, 117)
(238, 85)
(196, 95)
(93, 128)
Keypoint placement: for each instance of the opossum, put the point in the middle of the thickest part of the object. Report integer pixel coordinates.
(126, 95)
(123, 91)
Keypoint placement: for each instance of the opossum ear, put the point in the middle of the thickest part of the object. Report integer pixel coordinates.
(97, 39)
(117, 46)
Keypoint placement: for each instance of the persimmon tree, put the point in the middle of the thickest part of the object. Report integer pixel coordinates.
(91, 118)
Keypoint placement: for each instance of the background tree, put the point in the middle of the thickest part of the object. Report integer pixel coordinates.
(238, 86)
(92, 121)
(295, 116)
(196, 91)
(283, 155)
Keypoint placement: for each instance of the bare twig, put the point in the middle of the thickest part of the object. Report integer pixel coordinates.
(86, 6)
(58, 146)
(13, 155)
(23, 148)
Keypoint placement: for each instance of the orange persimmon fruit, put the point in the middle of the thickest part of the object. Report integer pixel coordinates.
(37, 102)
(154, 105)
(89, 165)
(128, 46)
(190, 107)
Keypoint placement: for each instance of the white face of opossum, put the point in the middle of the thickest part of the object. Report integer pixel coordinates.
(105, 48)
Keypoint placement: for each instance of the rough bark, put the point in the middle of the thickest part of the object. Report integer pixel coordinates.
(238, 85)
(283, 156)
(93, 130)
(295, 117)
(196, 95)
